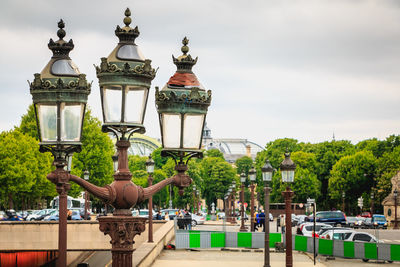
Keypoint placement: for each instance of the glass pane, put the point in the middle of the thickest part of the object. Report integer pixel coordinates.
(112, 103)
(267, 176)
(64, 67)
(48, 122)
(71, 122)
(192, 130)
(171, 124)
(135, 101)
(130, 52)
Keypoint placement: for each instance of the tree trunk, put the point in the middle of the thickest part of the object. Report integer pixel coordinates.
(10, 201)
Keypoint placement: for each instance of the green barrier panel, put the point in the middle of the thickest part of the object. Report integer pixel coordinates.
(244, 240)
(194, 232)
(370, 251)
(300, 243)
(348, 248)
(217, 240)
(273, 238)
(395, 252)
(194, 240)
(325, 247)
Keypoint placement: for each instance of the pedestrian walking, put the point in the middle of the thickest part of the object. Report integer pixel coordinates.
(283, 223)
(262, 219)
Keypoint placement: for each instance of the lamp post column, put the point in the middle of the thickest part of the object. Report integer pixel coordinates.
(233, 205)
(86, 177)
(150, 181)
(266, 237)
(343, 205)
(242, 227)
(395, 210)
(288, 194)
(372, 203)
(252, 207)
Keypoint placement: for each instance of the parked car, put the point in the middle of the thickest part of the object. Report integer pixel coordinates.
(366, 214)
(367, 223)
(271, 218)
(144, 213)
(76, 216)
(306, 229)
(11, 215)
(379, 221)
(336, 233)
(197, 219)
(350, 221)
(330, 217)
(359, 223)
(39, 215)
(171, 213)
(2, 215)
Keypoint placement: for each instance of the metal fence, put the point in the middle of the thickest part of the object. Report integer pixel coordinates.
(346, 249)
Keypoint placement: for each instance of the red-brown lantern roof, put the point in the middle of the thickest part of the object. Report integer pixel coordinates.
(183, 79)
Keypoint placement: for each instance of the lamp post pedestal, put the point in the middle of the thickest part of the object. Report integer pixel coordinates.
(288, 194)
(122, 230)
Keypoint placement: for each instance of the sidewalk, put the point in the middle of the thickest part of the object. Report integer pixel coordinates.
(209, 258)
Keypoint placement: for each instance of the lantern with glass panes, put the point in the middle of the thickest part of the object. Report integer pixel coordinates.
(287, 169)
(182, 106)
(59, 94)
(124, 77)
(267, 171)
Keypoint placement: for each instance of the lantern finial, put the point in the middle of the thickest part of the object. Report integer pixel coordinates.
(127, 34)
(185, 48)
(61, 48)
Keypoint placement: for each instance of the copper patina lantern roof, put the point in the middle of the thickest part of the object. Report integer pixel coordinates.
(184, 76)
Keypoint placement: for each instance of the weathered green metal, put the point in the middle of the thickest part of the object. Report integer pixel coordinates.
(117, 71)
(54, 89)
(182, 94)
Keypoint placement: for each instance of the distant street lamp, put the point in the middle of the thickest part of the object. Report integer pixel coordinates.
(287, 169)
(372, 202)
(230, 219)
(150, 170)
(267, 171)
(395, 209)
(242, 181)
(343, 197)
(194, 199)
(86, 177)
(233, 202)
(252, 175)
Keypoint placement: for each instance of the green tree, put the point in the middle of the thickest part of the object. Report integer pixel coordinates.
(23, 169)
(374, 145)
(353, 175)
(136, 162)
(28, 123)
(214, 153)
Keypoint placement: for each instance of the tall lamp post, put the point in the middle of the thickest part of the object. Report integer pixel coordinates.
(150, 170)
(242, 181)
(267, 171)
(233, 202)
(395, 209)
(252, 175)
(372, 202)
(86, 177)
(60, 93)
(230, 205)
(343, 204)
(194, 199)
(287, 169)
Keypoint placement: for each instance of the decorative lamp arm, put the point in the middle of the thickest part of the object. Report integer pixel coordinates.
(106, 193)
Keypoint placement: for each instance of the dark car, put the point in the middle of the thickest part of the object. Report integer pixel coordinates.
(329, 217)
(11, 215)
(379, 221)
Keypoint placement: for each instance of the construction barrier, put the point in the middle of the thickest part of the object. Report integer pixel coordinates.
(338, 248)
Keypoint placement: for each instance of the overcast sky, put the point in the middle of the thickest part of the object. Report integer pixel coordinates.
(303, 69)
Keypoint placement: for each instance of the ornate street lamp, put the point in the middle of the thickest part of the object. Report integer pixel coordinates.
(395, 209)
(194, 199)
(242, 181)
(182, 106)
(125, 77)
(287, 169)
(267, 171)
(86, 177)
(59, 94)
(230, 216)
(150, 170)
(252, 175)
